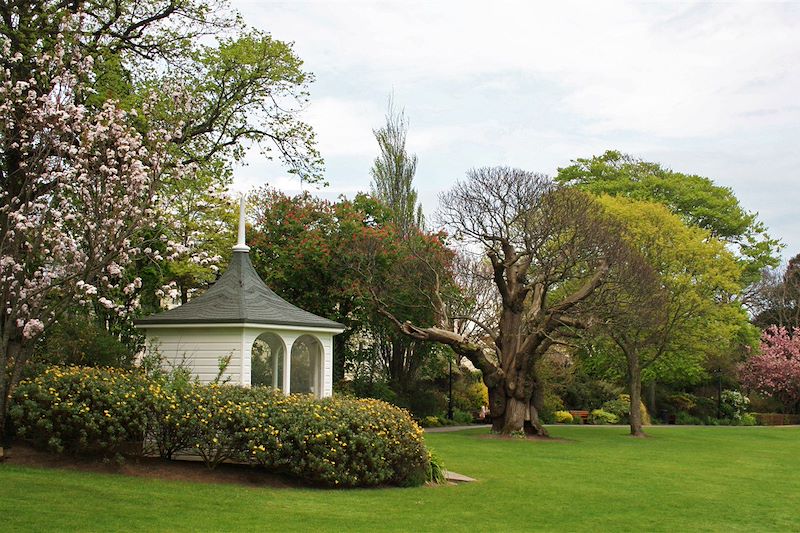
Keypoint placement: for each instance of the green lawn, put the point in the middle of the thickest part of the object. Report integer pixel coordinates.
(680, 479)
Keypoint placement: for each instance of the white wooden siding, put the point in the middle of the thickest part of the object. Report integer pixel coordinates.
(201, 350)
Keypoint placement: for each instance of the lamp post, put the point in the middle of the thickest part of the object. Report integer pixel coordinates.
(450, 390)
(718, 374)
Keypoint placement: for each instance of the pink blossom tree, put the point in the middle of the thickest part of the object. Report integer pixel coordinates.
(775, 371)
(75, 188)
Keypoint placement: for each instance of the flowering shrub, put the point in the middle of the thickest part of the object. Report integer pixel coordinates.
(338, 441)
(334, 441)
(598, 416)
(563, 417)
(775, 371)
(734, 405)
(82, 409)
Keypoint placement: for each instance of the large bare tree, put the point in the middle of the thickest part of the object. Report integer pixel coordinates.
(547, 250)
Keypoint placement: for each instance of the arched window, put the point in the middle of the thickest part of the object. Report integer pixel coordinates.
(306, 369)
(266, 366)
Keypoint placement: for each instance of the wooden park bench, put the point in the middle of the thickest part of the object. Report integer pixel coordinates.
(584, 415)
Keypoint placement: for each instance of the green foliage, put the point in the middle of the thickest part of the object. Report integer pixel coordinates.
(702, 318)
(681, 401)
(82, 410)
(362, 387)
(621, 408)
(393, 173)
(685, 419)
(337, 442)
(437, 473)
(563, 417)
(748, 419)
(79, 340)
(333, 441)
(469, 392)
(552, 403)
(696, 199)
(599, 416)
(588, 383)
(734, 405)
(461, 418)
(423, 400)
(432, 422)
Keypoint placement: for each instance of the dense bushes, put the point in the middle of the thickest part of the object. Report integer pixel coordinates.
(599, 416)
(563, 417)
(82, 409)
(337, 441)
(333, 441)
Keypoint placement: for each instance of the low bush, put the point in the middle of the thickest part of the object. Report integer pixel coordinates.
(621, 407)
(563, 417)
(598, 416)
(431, 422)
(461, 418)
(333, 441)
(338, 442)
(734, 405)
(748, 419)
(685, 419)
(82, 410)
(552, 403)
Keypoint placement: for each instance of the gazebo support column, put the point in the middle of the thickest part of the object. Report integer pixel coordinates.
(288, 341)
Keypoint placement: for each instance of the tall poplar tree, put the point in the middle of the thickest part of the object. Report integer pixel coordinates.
(393, 172)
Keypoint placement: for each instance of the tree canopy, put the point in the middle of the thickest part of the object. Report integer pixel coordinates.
(696, 199)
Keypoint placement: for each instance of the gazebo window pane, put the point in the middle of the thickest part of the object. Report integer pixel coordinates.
(306, 369)
(267, 361)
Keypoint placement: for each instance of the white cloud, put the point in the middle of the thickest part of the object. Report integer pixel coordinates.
(672, 70)
(705, 88)
(343, 126)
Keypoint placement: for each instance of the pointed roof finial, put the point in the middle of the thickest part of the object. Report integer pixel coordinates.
(240, 244)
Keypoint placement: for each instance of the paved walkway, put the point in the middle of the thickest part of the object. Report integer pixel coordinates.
(448, 429)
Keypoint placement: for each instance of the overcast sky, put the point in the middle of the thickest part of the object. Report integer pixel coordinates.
(710, 89)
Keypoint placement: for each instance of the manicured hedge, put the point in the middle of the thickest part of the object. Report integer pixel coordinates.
(334, 441)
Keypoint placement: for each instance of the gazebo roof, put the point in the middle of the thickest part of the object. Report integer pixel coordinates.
(239, 296)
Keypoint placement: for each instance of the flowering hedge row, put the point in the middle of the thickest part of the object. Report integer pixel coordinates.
(81, 409)
(334, 441)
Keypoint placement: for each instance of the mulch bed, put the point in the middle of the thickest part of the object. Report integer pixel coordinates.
(23, 454)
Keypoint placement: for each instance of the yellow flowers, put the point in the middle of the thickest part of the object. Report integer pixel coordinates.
(333, 441)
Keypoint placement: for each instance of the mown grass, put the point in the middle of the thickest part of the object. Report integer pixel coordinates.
(679, 479)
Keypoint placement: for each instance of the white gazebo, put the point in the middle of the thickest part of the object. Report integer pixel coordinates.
(269, 341)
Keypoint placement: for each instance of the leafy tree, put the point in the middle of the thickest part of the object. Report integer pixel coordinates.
(550, 249)
(694, 198)
(307, 250)
(775, 370)
(393, 173)
(667, 331)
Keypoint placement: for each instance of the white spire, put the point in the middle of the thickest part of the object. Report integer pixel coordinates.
(240, 245)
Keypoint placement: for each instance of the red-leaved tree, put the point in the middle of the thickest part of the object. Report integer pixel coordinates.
(775, 371)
